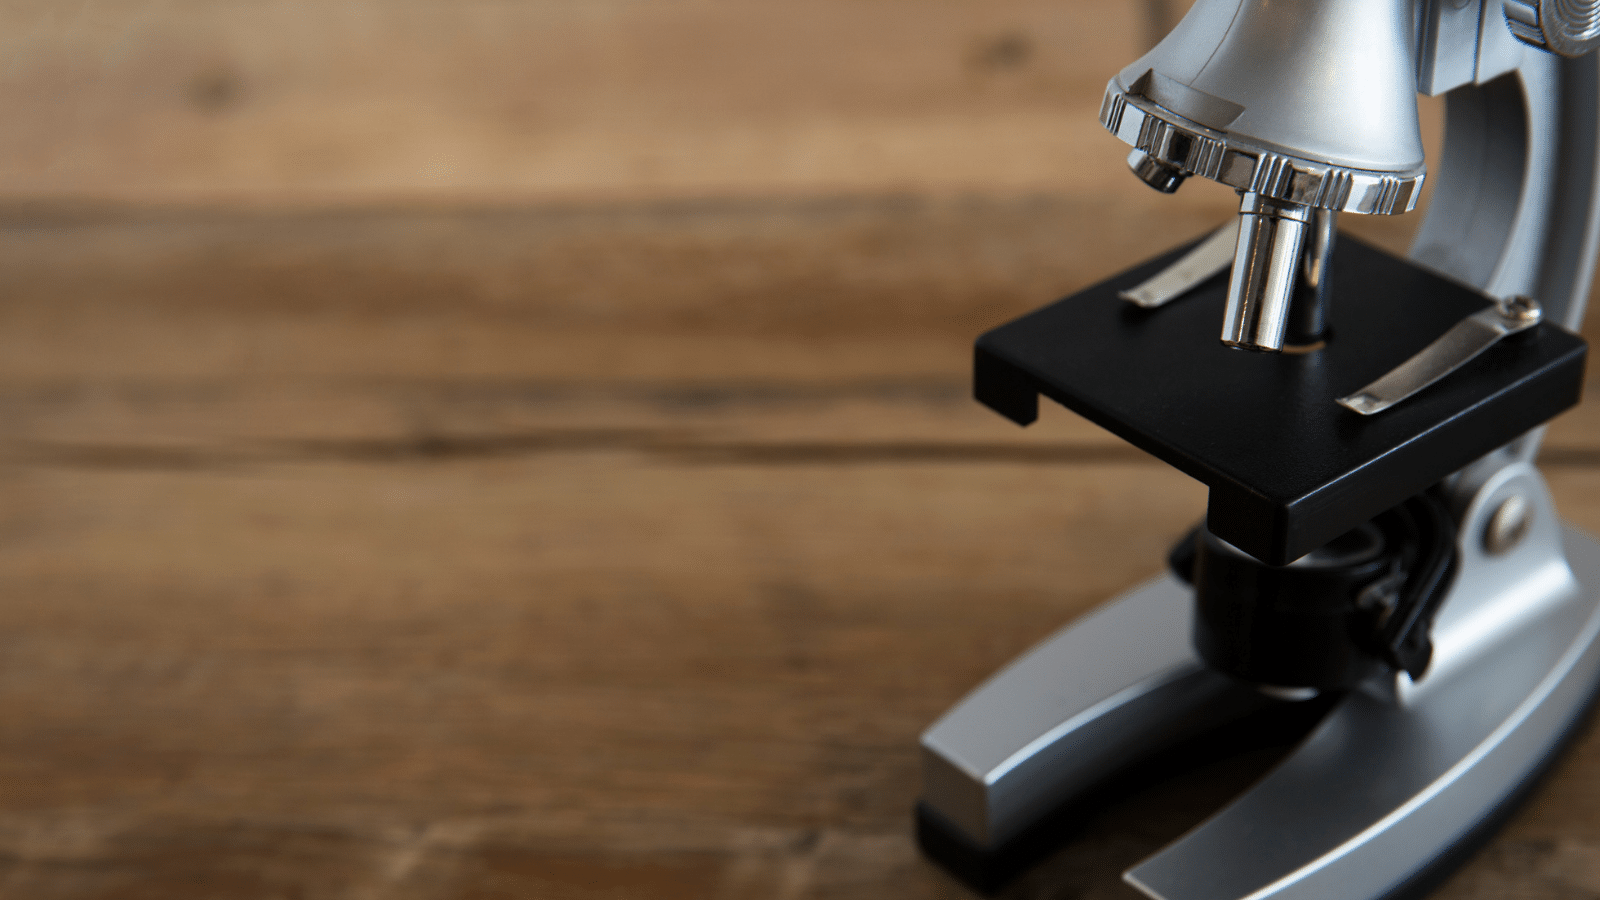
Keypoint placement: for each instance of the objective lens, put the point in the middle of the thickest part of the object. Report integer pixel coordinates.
(1266, 261)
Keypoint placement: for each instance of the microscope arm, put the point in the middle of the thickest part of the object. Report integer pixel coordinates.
(1514, 204)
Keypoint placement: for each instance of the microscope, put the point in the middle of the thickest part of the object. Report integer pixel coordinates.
(1380, 559)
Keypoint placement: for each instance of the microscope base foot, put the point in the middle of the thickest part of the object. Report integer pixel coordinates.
(1392, 788)
(1093, 712)
(1268, 734)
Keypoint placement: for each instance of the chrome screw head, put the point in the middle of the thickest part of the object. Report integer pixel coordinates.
(1508, 524)
(1520, 310)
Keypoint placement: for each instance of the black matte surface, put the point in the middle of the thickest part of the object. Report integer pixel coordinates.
(1287, 467)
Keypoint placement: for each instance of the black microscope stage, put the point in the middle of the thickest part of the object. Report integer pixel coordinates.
(1287, 467)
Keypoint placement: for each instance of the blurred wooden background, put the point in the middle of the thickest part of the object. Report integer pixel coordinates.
(499, 449)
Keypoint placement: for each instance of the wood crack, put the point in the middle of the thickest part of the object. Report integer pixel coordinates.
(439, 448)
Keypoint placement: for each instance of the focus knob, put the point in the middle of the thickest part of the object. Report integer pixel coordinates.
(1567, 27)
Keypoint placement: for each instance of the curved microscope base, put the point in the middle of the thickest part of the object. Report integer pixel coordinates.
(1082, 718)
(1386, 795)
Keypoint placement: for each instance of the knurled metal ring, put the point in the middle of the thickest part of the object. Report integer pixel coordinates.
(1565, 27)
(1198, 150)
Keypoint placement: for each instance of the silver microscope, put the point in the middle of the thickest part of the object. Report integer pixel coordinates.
(1379, 557)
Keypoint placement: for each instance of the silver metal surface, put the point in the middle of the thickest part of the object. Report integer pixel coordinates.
(1448, 352)
(1508, 525)
(1266, 269)
(1301, 101)
(1205, 260)
(1567, 27)
(1308, 311)
(1399, 772)
(1161, 175)
(1447, 44)
(1119, 683)
(1514, 207)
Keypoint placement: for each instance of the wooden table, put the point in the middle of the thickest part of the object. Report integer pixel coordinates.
(605, 552)
(605, 523)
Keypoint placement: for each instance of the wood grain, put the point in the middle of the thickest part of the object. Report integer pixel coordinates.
(487, 554)
(294, 101)
(490, 450)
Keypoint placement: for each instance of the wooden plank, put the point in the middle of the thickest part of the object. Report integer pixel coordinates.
(287, 101)
(559, 675)
(421, 538)
(561, 553)
(523, 669)
(826, 320)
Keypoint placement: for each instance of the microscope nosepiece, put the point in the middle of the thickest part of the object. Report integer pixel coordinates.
(1301, 100)
(1307, 109)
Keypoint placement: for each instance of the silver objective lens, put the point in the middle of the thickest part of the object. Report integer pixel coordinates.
(1266, 264)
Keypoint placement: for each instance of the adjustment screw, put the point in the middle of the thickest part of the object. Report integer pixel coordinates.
(1519, 310)
(1508, 525)
(1568, 27)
